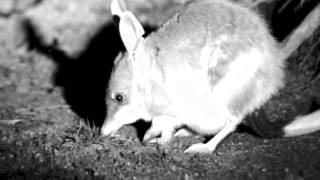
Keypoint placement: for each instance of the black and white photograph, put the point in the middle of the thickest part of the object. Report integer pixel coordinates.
(160, 89)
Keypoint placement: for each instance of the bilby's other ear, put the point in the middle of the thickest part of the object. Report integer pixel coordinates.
(131, 31)
(118, 7)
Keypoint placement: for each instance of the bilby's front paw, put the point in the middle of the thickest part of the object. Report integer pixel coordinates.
(199, 148)
(153, 133)
(160, 140)
(183, 133)
(162, 126)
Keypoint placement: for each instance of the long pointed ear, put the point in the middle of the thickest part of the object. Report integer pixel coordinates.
(118, 7)
(131, 31)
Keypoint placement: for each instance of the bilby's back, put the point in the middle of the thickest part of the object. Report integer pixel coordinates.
(206, 23)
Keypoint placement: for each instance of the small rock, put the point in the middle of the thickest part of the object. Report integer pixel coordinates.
(173, 168)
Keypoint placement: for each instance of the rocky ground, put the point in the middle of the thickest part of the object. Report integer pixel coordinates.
(50, 84)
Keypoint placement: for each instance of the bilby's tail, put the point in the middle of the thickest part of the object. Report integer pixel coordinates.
(299, 126)
(303, 125)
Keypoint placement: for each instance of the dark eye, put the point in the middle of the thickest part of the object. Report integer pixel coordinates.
(118, 98)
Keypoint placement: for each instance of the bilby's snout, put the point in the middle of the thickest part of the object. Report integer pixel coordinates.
(110, 128)
(123, 116)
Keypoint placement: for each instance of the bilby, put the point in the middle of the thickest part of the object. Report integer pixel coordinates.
(203, 71)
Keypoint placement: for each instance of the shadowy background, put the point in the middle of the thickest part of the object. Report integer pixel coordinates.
(84, 79)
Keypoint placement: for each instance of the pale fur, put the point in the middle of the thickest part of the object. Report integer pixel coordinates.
(204, 70)
(303, 125)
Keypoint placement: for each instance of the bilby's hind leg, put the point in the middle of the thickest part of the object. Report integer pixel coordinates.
(161, 125)
(211, 145)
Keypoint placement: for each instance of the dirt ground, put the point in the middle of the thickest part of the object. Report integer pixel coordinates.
(42, 138)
